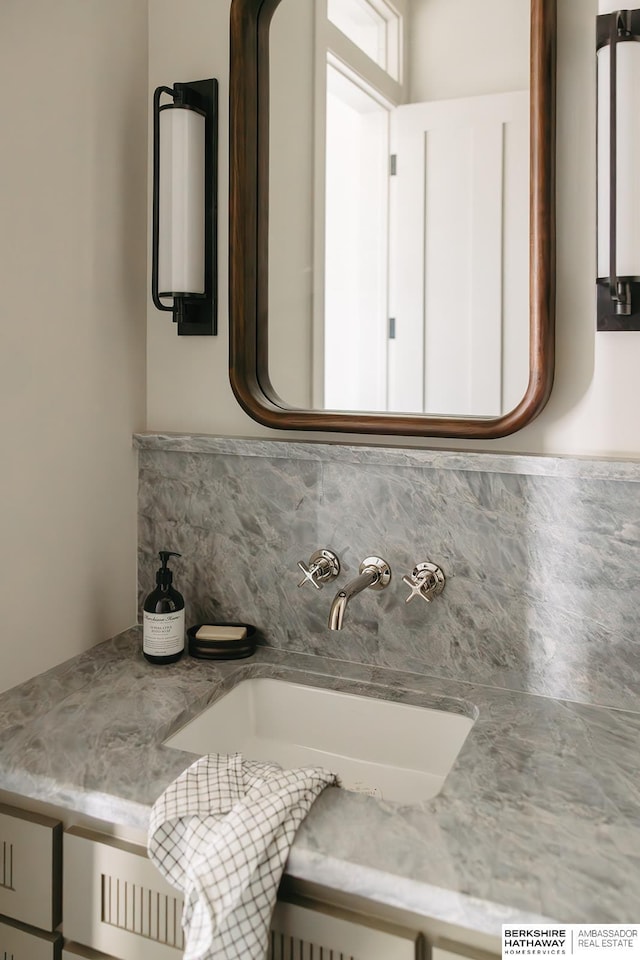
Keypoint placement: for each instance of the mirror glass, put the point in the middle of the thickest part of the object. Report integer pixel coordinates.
(399, 205)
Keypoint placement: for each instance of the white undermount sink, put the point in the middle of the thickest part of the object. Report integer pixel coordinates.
(391, 750)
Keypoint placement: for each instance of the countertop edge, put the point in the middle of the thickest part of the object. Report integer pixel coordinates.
(583, 468)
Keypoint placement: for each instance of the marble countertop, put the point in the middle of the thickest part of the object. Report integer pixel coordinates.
(538, 819)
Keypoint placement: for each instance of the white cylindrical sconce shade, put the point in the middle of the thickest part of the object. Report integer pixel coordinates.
(181, 226)
(628, 160)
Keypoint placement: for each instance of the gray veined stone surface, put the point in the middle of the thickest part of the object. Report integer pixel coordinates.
(338, 452)
(539, 817)
(542, 566)
(536, 634)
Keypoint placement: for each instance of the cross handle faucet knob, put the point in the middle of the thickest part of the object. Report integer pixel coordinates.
(426, 581)
(323, 567)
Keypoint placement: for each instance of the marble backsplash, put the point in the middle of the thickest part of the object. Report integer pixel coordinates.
(542, 556)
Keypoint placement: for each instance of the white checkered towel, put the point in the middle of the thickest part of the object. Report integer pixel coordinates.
(221, 835)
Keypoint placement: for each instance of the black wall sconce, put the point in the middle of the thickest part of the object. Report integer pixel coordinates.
(618, 59)
(185, 199)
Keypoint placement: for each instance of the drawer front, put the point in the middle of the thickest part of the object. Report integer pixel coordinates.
(18, 943)
(116, 901)
(30, 868)
(307, 933)
(74, 951)
(448, 950)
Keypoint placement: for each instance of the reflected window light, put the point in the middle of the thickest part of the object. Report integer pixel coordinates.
(374, 27)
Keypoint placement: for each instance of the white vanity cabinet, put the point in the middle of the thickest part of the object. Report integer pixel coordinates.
(115, 905)
(117, 902)
(30, 885)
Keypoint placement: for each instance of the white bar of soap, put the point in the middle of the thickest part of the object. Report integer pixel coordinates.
(209, 631)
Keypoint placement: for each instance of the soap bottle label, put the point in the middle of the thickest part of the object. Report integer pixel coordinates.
(163, 633)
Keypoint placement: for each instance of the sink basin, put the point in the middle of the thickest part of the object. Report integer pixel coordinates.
(391, 750)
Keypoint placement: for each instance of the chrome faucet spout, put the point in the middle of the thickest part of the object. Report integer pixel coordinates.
(341, 599)
(374, 572)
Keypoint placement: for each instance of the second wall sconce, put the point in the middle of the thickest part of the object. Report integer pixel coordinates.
(618, 58)
(185, 175)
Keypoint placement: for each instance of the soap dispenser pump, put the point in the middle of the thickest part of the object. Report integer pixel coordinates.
(163, 617)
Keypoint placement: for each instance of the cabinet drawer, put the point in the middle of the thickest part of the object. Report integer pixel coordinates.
(18, 942)
(448, 950)
(74, 951)
(308, 932)
(116, 901)
(30, 867)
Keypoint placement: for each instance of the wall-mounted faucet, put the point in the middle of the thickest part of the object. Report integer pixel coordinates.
(374, 573)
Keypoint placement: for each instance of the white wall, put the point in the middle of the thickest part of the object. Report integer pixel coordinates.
(72, 268)
(592, 408)
(456, 51)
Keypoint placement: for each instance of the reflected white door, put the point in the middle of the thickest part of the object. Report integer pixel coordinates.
(459, 256)
(355, 246)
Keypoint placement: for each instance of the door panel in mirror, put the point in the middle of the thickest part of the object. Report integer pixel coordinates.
(360, 316)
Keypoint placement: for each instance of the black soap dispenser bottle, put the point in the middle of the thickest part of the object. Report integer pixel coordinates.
(163, 618)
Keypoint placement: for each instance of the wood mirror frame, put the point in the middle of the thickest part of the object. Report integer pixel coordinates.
(248, 244)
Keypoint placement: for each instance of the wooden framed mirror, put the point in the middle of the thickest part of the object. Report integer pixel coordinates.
(426, 344)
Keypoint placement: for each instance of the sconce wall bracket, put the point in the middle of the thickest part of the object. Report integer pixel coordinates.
(608, 318)
(195, 314)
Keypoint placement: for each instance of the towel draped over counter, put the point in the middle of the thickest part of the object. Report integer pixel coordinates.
(221, 835)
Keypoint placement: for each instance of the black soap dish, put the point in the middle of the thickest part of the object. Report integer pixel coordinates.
(208, 646)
